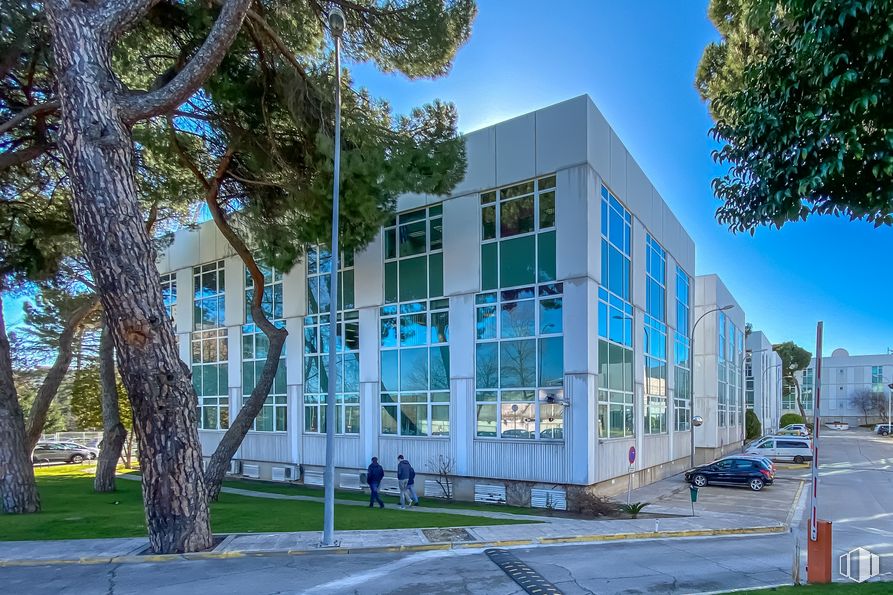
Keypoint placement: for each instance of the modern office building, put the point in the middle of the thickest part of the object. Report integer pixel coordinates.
(719, 369)
(528, 330)
(763, 380)
(845, 378)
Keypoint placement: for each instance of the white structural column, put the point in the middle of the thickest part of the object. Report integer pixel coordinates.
(183, 315)
(461, 281)
(638, 299)
(369, 385)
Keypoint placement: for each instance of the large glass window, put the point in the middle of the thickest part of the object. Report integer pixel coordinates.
(169, 296)
(615, 311)
(722, 372)
(274, 414)
(210, 352)
(316, 346)
(806, 390)
(415, 369)
(518, 235)
(520, 363)
(877, 379)
(615, 321)
(682, 352)
(413, 256)
(655, 338)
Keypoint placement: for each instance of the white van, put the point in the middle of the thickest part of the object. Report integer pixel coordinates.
(782, 448)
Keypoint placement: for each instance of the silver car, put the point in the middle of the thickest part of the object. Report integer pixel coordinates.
(60, 452)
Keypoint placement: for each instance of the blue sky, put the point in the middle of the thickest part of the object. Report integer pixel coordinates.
(637, 61)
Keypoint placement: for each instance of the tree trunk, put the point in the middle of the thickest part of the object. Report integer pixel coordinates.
(800, 401)
(98, 149)
(37, 417)
(113, 432)
(226, 448)
(18, 490)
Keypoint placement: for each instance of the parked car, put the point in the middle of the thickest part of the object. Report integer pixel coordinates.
(735, 470)
(55, 452)
(763, 458)
(794, 430)
(94, 452)
(782, 448)
(883, 429)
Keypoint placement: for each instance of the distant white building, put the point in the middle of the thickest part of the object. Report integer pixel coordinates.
(763, 377)
(843, 376)
(719, 369)
(532, 327)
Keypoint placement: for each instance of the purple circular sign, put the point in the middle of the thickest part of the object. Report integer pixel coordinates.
(632, 455)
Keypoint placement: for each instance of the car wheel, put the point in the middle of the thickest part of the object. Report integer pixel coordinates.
(884, 432)
(756, 484)
(699, 480)
(76, 459)
(92, 457)
(798, 460)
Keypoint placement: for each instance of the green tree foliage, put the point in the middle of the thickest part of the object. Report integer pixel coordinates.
(790, 418)
(800, 91)
(793, 357)
(27, 384)
(752, 426)
(86, 404)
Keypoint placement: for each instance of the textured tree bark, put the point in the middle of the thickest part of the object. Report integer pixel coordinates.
(18, 490)
(37, 417)
(98, 150)
(113, 432)
(226, 448)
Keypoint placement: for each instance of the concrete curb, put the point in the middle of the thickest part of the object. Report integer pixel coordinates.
(159, 558)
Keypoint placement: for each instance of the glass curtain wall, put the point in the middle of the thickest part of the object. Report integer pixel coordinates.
(414, 328)
(210, 352)
(274, 414)
(655, 338)
(682, 352)
(316, 345)
(519, 351)
(615, 322)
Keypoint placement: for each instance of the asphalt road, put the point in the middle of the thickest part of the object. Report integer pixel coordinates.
(857, 479)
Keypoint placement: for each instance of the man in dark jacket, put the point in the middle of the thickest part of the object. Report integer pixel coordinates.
(405, 475)
(374, 475)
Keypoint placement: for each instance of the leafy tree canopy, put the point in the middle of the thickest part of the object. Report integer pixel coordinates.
(800, 92)
(793, 357)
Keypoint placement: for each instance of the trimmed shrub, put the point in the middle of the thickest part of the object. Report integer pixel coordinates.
(752, 426)
(790, 418)
(583, 500)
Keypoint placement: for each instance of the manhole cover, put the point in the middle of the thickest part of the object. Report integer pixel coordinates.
(448, 535)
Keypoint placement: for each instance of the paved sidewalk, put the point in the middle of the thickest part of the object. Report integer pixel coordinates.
(555, 530)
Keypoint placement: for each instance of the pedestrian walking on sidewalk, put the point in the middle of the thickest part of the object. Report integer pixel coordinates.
(410, 486)
(374, 475)
(404, 473)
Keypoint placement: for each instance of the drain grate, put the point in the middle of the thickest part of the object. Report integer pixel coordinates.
(450, 535)
(528, 579)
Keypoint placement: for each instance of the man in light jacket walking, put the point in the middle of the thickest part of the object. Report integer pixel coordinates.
(405, 474)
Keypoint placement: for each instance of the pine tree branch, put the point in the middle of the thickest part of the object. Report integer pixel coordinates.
(40, 108)
(188, 80)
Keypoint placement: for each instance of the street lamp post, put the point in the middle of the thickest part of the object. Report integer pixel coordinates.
(691, 376)
(336, 27)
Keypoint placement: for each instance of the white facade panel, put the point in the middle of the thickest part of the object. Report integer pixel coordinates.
(422, 453)
(560, 139)
(462, 245)
(347, 451)
(272, 447)
(574, 238)
(480, 154)
(516, 149)
(528, 461)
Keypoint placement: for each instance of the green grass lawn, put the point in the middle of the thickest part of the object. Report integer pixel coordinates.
(71, 510)
(303, 490)
(874, 588)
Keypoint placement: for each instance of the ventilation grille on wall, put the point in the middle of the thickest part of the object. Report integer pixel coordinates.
(551, 499)
(252, 471)
(313, 478)
(235, 467)
(283, 473)
(433, 489)
(489, 493)
(350, 481)
(390, 485)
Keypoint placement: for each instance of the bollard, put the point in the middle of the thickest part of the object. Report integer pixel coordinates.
(818, 555)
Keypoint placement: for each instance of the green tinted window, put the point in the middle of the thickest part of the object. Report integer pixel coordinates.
(414, 279)
(435, 273)
(546, 262)
(517, 262)
(489, 266)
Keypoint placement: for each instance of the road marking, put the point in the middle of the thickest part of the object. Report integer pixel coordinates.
(527, 578)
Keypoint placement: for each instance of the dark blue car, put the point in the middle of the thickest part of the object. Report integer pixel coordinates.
(752, 472)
